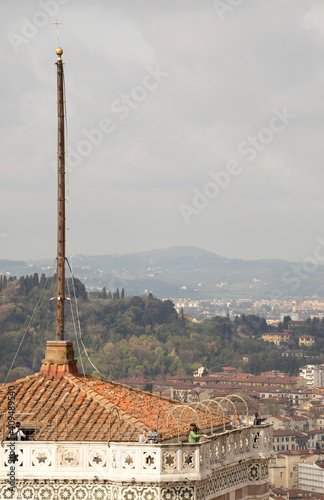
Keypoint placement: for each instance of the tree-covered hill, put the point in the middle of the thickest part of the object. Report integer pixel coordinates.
(123, 336)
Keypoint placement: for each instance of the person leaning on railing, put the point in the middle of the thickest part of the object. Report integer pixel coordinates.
(257, 419)
(193, 436)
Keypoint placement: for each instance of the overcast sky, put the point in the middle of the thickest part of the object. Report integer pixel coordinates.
(190, 122)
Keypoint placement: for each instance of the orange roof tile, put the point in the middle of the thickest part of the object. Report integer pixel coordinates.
(90, 408)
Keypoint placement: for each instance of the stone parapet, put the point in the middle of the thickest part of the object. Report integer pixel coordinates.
(130, 462)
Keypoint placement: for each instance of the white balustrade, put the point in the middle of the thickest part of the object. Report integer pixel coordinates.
(135, 461)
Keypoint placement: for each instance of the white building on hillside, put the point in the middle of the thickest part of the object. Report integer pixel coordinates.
(314, 375)
(311, 477)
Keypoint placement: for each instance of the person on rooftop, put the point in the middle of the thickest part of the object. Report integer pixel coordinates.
(18, 434)
(193, 436)
(143, 437)
(257, 419)
(153, 437)
(236, 422)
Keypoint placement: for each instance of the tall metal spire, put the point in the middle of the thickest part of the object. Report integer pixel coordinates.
(59, 356)
(60, 292)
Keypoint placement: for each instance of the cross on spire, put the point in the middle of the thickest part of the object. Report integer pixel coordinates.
(57, 31)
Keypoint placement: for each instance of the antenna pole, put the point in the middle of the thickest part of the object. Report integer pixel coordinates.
(60, 293)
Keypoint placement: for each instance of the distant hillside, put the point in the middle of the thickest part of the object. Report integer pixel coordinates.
(187, 272)
(127, 336)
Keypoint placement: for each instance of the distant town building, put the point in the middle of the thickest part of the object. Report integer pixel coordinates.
(306, 340)
(315, 439)
(295, 324)
(293, 353)
(277, 338)
(314, 375)
(283, 469)
(289, 440)
(201, 372)
(311, 477)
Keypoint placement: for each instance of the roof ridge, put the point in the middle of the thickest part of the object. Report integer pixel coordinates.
(136, 389)
(129, 388)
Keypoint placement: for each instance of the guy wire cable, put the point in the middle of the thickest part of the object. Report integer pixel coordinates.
(29, 323)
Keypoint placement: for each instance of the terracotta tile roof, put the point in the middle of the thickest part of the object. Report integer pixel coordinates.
(279, 432)
(181, 386)
(89, 407)
(313, 433)
(302, 453)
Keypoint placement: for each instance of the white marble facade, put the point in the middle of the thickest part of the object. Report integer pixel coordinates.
(65, 470)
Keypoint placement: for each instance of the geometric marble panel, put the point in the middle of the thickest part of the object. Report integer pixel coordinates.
(69, 457)
(188, 460)
(139, 493)
(178, 493)
(13, 457)
(149, 460)
(232, 476)
(254, 472)
(170, 461)
(41, 458)
(97, 458)
(66, 492)
(58, 490)
(46, 493)
(128, 460)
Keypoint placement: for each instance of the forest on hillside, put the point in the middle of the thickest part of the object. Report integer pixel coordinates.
(118, 336)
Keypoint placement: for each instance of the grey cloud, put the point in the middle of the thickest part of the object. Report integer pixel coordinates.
(224, 80)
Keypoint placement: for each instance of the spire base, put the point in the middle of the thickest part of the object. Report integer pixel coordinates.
(59, 359)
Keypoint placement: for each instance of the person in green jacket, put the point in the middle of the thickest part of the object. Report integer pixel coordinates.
(193, 436)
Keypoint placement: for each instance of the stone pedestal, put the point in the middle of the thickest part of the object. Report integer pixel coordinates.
(59, 359)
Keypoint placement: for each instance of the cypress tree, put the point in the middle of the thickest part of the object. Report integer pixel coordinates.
(35, 279)
(22, 284)
(27, 283)
(42, 281)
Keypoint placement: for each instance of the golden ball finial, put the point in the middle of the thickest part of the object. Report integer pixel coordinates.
(59, 51)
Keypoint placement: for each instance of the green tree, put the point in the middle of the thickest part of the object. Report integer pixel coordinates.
(285, 322)
(42, 281)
